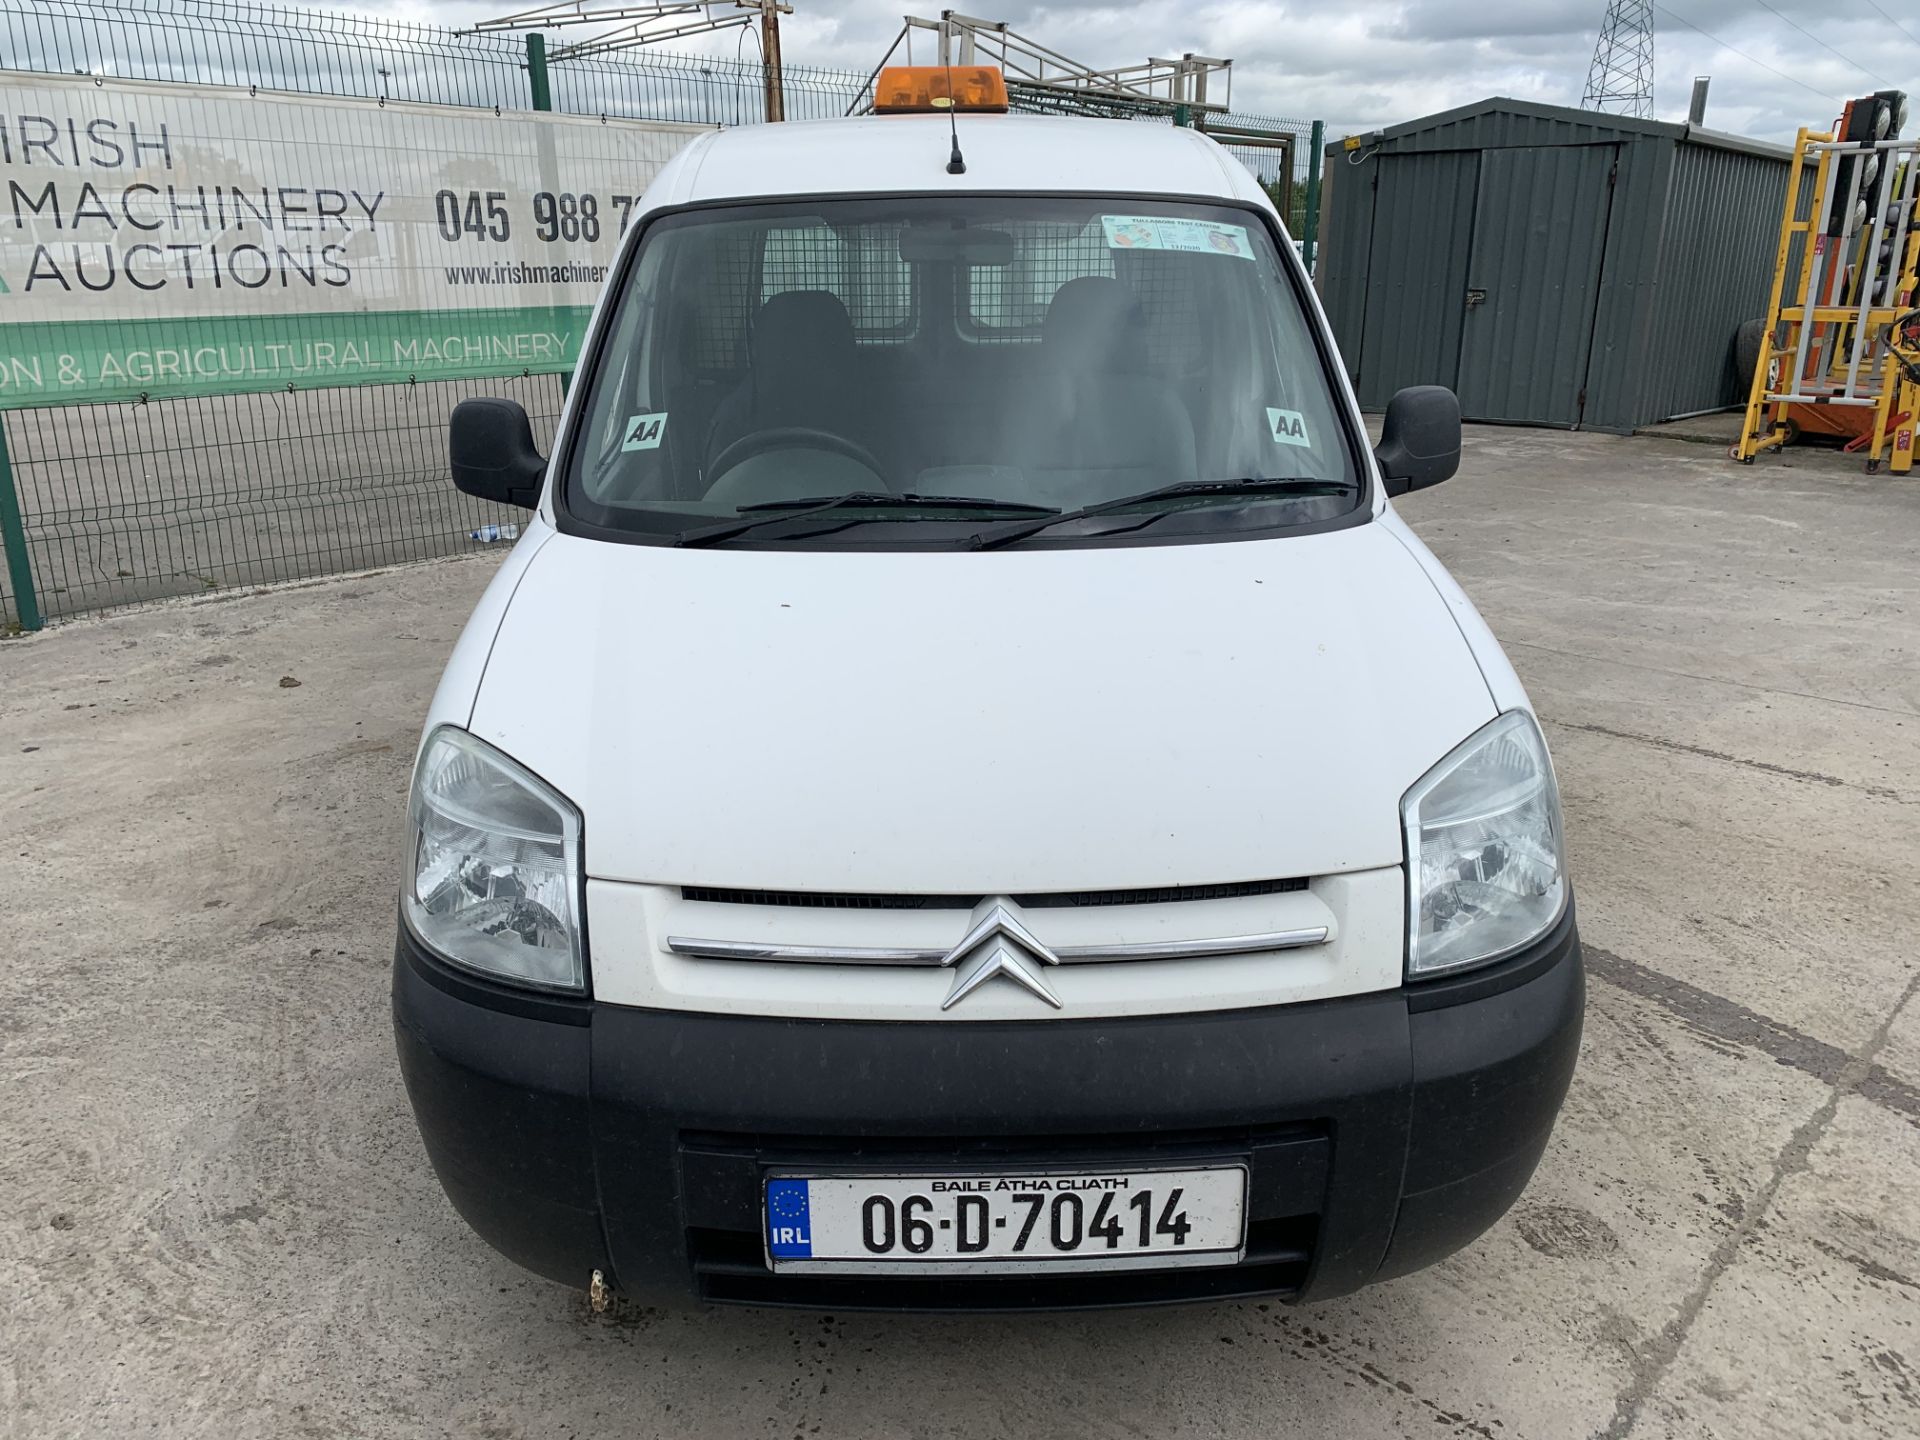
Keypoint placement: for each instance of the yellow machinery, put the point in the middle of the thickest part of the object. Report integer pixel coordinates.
(1841, 352)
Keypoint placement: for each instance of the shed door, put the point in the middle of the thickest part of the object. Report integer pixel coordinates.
(1539, 235)
(1416, 272)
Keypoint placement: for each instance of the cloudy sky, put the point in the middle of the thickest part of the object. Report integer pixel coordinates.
(1360, 64)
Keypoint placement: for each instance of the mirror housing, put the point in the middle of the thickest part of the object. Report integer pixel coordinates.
(1420, 438)
(975, 247)
(490, 446)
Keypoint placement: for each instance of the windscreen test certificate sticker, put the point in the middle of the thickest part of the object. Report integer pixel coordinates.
(1190, 237)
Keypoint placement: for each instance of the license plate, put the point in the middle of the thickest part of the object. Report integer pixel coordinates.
(976, 1224)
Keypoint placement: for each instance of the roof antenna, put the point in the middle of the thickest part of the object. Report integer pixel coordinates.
(956, 162)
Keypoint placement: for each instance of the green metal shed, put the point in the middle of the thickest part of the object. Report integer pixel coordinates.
(1553, 266)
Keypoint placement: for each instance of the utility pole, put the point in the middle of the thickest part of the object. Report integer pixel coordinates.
(1620, 79)
(770, 59)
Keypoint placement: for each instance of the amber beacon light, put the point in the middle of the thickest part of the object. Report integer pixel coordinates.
(929, 89)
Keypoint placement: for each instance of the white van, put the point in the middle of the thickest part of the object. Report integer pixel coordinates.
(966, 795)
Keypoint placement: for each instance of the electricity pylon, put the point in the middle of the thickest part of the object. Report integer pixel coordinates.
(1620, 79)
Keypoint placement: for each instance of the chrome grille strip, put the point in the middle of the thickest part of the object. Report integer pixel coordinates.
(1068, 954)
(1194, 949)
(804, 954)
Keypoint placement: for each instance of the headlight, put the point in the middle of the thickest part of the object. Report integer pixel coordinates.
(1484, 870)
(495, 876)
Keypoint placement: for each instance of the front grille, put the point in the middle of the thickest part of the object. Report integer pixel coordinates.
(1058, 899)
(789, 1151)
(822, 900)
(1164, 895)
(730, 1268)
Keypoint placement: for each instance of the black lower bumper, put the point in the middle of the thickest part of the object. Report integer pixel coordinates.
(1381, 1132)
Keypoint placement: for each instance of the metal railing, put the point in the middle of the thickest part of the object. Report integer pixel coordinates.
(109, 505)
(237, 42)
(127, 503)
(1284, 155)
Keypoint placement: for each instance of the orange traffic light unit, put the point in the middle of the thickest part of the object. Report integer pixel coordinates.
(929, 89)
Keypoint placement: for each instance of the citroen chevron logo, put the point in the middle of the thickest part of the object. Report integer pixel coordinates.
(997, 945)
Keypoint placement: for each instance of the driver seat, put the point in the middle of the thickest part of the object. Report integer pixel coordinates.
(801, 360)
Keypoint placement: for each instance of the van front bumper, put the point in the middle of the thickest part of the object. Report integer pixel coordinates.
(1381, 1132)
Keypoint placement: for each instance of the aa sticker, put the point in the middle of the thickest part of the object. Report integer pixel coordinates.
(644, 432)
(1289, 427)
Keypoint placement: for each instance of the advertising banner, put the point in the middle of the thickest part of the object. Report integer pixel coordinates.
(162, 240)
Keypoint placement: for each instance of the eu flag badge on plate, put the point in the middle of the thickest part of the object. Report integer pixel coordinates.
(789, 1227)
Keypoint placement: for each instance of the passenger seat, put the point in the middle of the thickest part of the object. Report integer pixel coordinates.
(1096, 426)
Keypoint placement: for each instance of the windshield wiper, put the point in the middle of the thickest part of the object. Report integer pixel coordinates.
(1228, 489)
(782, 511)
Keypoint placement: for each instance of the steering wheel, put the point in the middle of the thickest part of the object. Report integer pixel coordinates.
(792, 437)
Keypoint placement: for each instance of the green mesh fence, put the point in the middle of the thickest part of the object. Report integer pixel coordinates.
(126, 503)
(230, 42)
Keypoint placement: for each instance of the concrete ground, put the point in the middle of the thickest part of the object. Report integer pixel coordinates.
(216, 1217)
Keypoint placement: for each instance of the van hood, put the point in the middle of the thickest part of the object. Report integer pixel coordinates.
(982, 723)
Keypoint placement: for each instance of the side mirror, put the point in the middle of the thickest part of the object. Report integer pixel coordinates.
(490, 443)
(1420, 438)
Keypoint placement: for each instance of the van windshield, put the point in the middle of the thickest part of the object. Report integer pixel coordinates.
(936, 369)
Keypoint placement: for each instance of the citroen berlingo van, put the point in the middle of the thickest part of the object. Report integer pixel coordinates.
(965, 795)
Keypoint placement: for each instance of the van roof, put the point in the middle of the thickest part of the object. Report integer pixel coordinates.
(891, 154)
